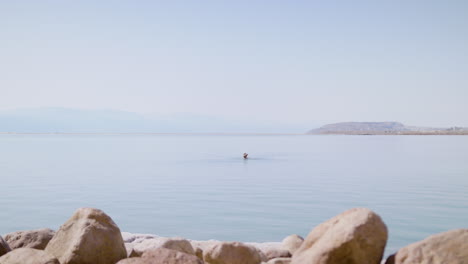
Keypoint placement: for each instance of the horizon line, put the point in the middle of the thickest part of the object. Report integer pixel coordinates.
(145, 133)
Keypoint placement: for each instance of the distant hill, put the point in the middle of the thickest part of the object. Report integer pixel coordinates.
(51, 120)
(69, 120)
(384, 128)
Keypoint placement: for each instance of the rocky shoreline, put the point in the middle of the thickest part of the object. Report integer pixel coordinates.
(354, 236)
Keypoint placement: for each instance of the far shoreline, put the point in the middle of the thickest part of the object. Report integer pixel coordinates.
(407, 133)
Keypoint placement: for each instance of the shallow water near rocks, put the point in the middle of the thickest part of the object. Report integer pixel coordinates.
(200, 187)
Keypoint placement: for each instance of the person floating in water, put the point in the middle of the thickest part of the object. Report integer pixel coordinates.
(245, 155)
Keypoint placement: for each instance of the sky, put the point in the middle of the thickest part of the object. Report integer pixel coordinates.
(281, 61)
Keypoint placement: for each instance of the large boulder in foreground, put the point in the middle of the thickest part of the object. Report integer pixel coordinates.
(450, 247)
(4, 247)
(37, 239)
(163, 256)
(28, 256)
(292, 243)
(231, 253)
(357, 236)
(179, 244)
(89, 236)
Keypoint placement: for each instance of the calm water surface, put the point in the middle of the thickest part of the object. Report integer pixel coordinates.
(199, 187)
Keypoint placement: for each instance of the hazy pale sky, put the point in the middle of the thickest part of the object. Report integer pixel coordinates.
(290, 61)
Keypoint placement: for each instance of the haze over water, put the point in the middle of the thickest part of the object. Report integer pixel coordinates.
(199, 187)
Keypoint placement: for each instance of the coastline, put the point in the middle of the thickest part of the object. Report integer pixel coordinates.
(402, 133)
(407, 133)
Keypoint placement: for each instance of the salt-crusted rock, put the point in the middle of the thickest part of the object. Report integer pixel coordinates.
(450, 247)
(231, 253)
(28, 256)
(279, 261)
(270, 250)
(179, 244)
(37, 239)
(4, 247)
(357, 236)
(163, 256)
(136, 238)
(292, 243)
(204, 244)
(89, 236)
(129, 248)
(131, 240)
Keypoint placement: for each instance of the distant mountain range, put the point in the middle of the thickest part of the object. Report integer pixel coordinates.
(67, 120)
(384, 128)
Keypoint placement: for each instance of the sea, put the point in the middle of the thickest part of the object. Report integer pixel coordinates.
(200, 187)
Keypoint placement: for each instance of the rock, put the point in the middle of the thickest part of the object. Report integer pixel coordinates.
(37, 239)
(200, 246)
(270, 250)
(163, 256)
(292, 243)
(450, 247)
(262, 255)
(204, 244)
(357, 236)
(89, 236)
(4, 247)
(135, 238)
(199, 253)
(179, 244)
(277, 253)
(135, 260)
(28, 256)
(279, 261)
(231, 253)
(129, 248)
(131, 240)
